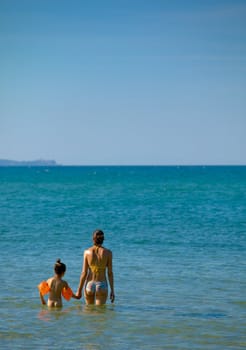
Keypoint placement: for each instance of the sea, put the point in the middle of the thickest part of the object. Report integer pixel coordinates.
(178, 238)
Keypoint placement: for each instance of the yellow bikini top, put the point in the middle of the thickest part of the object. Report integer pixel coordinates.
(96, 269)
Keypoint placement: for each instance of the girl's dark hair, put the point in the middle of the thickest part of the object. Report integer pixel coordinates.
(59, 267)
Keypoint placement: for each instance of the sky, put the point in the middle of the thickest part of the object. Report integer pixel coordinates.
(123, 82)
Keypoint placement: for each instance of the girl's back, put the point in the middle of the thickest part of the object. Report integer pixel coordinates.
(56, 285)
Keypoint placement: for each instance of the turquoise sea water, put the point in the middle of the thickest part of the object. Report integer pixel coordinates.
(178, 236)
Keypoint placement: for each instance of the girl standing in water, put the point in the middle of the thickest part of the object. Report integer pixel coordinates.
(56, 287)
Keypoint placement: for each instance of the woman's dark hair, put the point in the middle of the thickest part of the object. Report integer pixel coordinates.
(98, 233)
(98, 237)
(59, 267)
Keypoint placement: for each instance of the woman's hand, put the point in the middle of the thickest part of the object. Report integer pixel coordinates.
(112, 297)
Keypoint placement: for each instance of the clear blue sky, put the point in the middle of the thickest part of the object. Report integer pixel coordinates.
(123, 82)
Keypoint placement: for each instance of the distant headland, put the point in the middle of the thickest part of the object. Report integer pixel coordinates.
(38, 162)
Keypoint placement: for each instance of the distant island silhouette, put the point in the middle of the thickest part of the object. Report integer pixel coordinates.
(38, 162)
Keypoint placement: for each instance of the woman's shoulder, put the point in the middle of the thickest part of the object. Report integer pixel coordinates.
(88, 251)
(107, 251)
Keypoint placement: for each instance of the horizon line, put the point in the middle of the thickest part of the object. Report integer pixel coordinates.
(119, 165)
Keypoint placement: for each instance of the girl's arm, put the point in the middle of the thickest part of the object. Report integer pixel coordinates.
(42, 299)
(43, 288)
(67, 292)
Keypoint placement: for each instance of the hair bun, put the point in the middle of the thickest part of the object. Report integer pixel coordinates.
(58, 261)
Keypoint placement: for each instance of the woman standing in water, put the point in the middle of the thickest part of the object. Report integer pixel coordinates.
(97, 260)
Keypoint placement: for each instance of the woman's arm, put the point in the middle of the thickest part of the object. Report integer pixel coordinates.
(111, 276)
(83, 276)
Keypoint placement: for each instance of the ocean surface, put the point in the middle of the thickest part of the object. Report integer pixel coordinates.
(178, 237)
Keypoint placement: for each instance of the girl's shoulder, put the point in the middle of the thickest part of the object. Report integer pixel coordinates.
(49, 280)
(64, 283)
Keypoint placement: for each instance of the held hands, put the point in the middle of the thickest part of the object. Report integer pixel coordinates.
(75, 296)
(78, 295)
